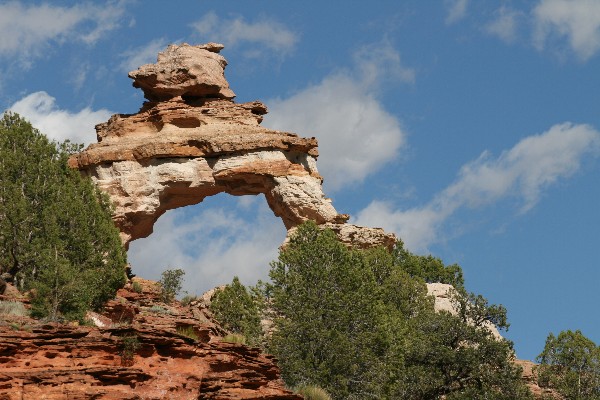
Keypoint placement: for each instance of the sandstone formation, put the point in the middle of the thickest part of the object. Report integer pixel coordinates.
(191, 140)
(140, 350)
(185, 71)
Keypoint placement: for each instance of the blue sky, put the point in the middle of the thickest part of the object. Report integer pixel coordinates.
(471, 129)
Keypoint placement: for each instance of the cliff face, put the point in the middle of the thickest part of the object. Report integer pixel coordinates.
(190, 141)
(141, 349)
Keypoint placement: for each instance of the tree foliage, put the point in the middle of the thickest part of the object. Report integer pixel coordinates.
(238, 311)
(570, 363)
(56, 232)
(170, 283)
(360, 325)
(457, 356)
(430, 269)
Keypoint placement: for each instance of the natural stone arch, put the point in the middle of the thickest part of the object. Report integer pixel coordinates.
(190, 141)
(143, 191)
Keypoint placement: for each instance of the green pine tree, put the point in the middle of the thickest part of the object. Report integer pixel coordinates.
(238, 311)
(570, 364)
(56, 232)
(360, 325)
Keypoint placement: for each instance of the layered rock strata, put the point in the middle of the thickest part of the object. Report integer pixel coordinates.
(190, 141)
(141, 349)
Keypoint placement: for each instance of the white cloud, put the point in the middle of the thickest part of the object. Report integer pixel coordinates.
(26, 30)
(105, 18)
(523, 172)
(357, 136)
(381, 62)
(41, 110)
(577, 20)
(505, 24)
(418, 227)
(457, 10)
(263, 33)
(212, 246)
(147, 54)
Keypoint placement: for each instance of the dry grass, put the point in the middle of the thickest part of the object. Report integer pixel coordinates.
(312, 392)
(188, 331)
(9, 307)
(234, 338)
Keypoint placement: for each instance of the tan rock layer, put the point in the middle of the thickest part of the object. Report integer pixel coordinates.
(530, 376)
(177, 129)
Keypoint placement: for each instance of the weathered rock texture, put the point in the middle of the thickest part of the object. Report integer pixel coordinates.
(141, 350)
(65, 362)
(190, 141)
(185, 71)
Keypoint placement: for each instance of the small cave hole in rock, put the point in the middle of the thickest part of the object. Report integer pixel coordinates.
(189, 122)
(213, 241)
(194, 100)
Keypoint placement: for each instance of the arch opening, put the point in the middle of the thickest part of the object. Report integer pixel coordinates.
(213, 241)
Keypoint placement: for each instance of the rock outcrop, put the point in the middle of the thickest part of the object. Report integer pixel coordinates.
(190, 141)
(185, 71)
(140, 349)
(530, 377)
(443, 294)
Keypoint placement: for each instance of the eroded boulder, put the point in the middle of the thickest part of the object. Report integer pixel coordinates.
(184, 70)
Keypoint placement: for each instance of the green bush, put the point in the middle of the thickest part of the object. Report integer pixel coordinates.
(238, 311)
(16, 308)
(136, 287)
(57, 236)
(235, 338)
(187, 299)
(187, 331)
(570, 364)
(170, 284)
(159, 310)
(129, 346)
(430, 269)
(20, 326)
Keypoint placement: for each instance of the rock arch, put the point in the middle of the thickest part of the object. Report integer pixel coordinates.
(190, 140)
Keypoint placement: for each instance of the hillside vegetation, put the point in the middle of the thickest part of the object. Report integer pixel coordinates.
(359, 324)
(57, 238)
(345, 323)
